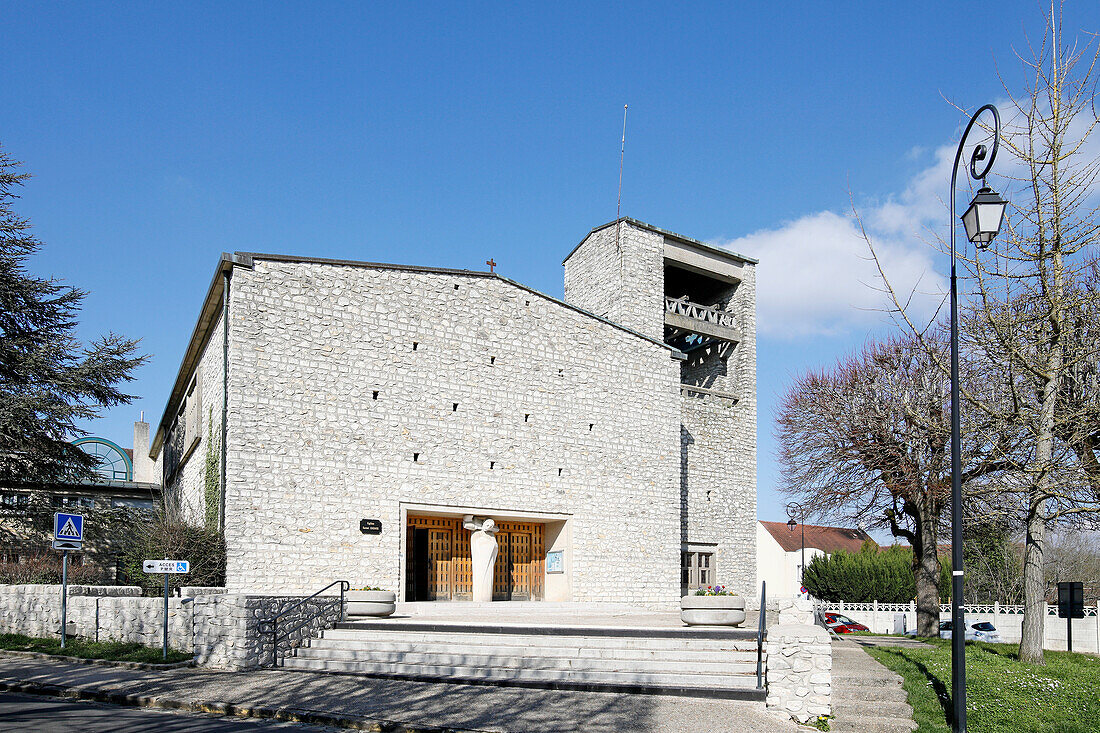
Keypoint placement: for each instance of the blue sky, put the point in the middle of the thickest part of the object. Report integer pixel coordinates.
(160, 135)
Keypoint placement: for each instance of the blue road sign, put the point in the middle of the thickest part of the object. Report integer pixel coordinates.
(68, 527)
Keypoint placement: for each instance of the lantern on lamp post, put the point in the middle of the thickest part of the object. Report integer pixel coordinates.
(982, 221)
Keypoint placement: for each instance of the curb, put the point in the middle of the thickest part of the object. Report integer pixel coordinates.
(290, 715)
(100, 662)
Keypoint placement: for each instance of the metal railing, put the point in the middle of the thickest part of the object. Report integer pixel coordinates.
(271, 625)
(710, 314)
(760, 634)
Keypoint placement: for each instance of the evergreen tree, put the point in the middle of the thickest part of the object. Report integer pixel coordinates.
(49, 380)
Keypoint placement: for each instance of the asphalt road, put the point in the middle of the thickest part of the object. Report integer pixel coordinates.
(55, 715)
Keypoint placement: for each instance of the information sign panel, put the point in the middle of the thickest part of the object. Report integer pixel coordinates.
(166, 566)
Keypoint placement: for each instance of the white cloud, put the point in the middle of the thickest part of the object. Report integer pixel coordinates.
(816, 276)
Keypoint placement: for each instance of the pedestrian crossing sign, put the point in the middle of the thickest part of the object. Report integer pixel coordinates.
(68, 527)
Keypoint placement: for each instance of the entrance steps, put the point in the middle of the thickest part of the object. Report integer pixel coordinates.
(867, 697)
(704, 662)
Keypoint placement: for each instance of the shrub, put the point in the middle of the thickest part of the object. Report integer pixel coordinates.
(203, 548)
(868, 575)
(47, 569)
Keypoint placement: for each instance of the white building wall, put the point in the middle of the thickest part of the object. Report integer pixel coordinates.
(187, 486)
(557, 412)
(618, 272)
(782, 570)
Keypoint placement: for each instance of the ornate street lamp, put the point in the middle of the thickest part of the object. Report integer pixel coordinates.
(982, 221)
(792, 509)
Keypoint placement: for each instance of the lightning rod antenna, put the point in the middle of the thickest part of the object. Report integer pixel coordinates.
(622, 155)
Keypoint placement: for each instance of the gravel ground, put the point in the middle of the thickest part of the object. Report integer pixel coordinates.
(467, 707)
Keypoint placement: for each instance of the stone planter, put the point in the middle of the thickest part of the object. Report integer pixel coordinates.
(371, 602)
(712, 610)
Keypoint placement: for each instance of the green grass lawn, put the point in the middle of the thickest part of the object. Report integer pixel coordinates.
(1003, 695)
(114, 650)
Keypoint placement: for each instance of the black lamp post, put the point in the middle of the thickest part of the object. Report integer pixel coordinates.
(982, 221)
(792, 509)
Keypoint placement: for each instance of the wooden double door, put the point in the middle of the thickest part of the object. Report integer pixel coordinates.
(438, 564)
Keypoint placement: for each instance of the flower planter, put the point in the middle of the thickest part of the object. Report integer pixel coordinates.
(712, 610)
(371, 602)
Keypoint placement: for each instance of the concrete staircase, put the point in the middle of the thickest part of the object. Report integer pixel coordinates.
(670, 661)
(867, 697)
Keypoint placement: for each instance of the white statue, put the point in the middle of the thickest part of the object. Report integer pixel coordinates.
(483, 552)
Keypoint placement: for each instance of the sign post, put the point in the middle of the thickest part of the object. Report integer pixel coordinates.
(68, 534)
(166, 567)
(1071, 605)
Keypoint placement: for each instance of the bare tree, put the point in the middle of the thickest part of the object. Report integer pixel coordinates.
(1029, 324)
(868, 440)
(1074, 555)
(1035, 297)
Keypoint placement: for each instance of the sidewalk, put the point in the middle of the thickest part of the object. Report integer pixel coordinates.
(389, 705)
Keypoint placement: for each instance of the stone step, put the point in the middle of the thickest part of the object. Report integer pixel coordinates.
(893, 693)
(845, 707)
(491, 659)
(578, 641)
(644, 632)
(629, 649)
(743, 686)
(870, 724)
(864, 678)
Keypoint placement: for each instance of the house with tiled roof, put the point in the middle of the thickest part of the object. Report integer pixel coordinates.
(780, 551)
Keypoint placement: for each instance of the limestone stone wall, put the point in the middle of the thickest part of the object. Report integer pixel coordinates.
(355, 390)
(718, 446)
(800, 664)
(224, 631)
(618, 273)
(230, 633)
(35, 610)
(187, 486)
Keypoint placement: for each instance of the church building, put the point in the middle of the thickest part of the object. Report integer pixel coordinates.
(340, 419)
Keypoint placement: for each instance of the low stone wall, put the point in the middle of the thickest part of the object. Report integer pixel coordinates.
(800, 677)
(230, 632)
(192, 591)
(103, 613)
(224, 630)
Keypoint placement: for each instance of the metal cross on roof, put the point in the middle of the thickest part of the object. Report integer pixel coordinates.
(492, 264)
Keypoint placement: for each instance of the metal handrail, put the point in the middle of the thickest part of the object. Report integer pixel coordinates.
(760, 634)
(271, 625)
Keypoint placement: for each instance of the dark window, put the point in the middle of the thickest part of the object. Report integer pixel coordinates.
(15, 501)
(697, 569)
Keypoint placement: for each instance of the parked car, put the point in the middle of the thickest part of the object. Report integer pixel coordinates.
(841, 624)
(977, 631)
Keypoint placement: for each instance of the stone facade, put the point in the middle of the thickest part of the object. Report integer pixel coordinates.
(336, 415)
(360, 390)
(800, 672)
(619, 272)
(191, 432)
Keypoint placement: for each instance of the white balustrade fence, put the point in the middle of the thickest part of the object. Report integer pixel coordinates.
(879, 617)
